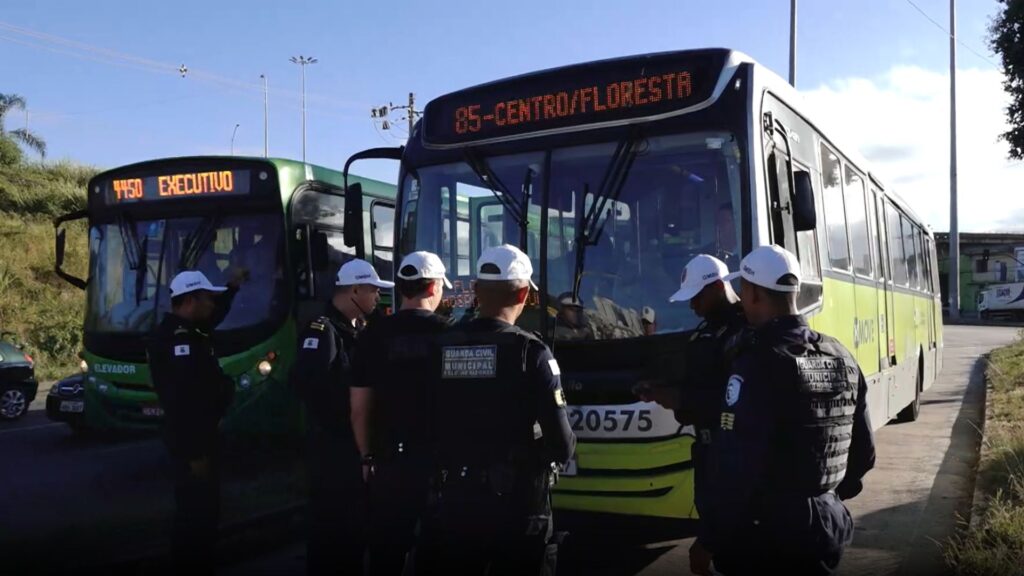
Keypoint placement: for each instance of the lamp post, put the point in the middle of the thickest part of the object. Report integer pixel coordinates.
(303, 61)
(233, 139)
(266, 124)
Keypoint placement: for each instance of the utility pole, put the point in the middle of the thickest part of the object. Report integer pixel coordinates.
(303, 61)
(792, 43)
(954, 228)
(410, 113)
(266, 125)
(233, 139)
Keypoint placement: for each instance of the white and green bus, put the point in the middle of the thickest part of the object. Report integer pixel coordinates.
(611, 175)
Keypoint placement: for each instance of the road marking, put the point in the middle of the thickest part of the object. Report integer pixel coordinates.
(26, 428)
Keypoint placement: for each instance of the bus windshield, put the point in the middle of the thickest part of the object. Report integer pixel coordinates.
(637, 216)
(133, 261)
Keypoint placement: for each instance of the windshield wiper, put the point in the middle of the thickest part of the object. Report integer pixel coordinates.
(591, 226)
(198, 241)
(129, 240)
(494, 184)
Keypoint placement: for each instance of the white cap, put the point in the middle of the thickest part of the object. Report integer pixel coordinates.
(766, 265)
(191, 281)
(648, 314)
(360, 272)
(510, 261)
(423, 265)
(699, 272)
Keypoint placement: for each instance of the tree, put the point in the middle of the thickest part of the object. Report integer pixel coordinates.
(1006, 37)
(10, 102)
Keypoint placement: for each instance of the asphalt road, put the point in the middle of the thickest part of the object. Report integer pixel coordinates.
(922, 483)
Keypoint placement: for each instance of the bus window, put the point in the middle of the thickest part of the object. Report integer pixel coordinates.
(910, 251)
(326, 212)
(857, 220)
(877, 225)
(900, 273)
(835, 217)
(383, 221)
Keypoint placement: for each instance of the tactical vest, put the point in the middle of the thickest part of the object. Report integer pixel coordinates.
(486, 409)
(818, 426)
(400, 398)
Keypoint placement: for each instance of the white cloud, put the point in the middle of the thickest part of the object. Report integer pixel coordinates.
(900, 124)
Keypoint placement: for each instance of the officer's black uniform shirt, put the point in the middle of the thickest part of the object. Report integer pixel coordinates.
(395, 359)
(322, 371)
(193, 390)
(753, 452)
(707, 369)
(466, 415)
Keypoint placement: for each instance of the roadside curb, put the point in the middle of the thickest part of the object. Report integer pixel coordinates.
(978, 503)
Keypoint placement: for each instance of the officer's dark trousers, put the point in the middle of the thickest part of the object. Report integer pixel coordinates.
(398, 496)
(473, 532)
(337, 506)
(792, 539)
(196, 518)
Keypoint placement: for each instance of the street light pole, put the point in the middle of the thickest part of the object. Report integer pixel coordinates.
(954, 226)
(303, 61)
(266, 125)
(792, 43)
(233, 139)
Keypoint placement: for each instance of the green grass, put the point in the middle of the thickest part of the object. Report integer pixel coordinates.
(41, 309)
(994, 542)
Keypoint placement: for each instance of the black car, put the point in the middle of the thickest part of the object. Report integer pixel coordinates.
(18, 384)
(66, 401)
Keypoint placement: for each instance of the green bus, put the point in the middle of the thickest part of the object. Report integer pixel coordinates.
(282, 221)
(612, 175)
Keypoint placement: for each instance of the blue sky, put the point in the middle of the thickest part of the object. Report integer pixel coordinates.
(110, 109)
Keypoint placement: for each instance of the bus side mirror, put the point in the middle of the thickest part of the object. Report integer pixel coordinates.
(804, 212)
(354, 217)
(318, 251)
(60, 248)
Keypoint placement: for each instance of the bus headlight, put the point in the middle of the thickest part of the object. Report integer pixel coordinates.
(245, 381)
(83, 366)
(264, 368)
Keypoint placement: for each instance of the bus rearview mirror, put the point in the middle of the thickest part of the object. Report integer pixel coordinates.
(318, 251)
(804, 213)
(354, 217)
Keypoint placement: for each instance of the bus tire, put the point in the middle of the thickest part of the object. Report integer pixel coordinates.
(912, 410)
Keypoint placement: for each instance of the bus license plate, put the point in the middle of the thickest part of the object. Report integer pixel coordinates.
(638, 420)
(72, 406)
(152, 411)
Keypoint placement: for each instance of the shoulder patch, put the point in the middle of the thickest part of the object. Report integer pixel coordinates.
(732, 390)
(311, 343)
(553, 366)
(559, 398)
(182, 350)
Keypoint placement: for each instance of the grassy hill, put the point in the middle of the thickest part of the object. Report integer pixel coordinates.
(41, 309)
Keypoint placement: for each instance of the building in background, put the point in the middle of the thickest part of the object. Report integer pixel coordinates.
(986, 259)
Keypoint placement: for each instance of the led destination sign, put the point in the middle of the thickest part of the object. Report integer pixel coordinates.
(582, 94)
(178, 186)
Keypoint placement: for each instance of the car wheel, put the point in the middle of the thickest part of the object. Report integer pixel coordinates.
(13, 403)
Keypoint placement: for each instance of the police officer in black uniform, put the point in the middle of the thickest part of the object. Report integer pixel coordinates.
(321, 377)
(500, 426)
(696, 399)
(794, 437)
(391, 387)
(194, 394)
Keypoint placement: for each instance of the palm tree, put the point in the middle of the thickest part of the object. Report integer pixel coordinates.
(10, 102)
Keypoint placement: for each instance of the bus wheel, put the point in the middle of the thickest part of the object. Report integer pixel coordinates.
(913, 410)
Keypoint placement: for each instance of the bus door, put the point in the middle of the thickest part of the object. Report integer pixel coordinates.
(863, 258)
(886, 341)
